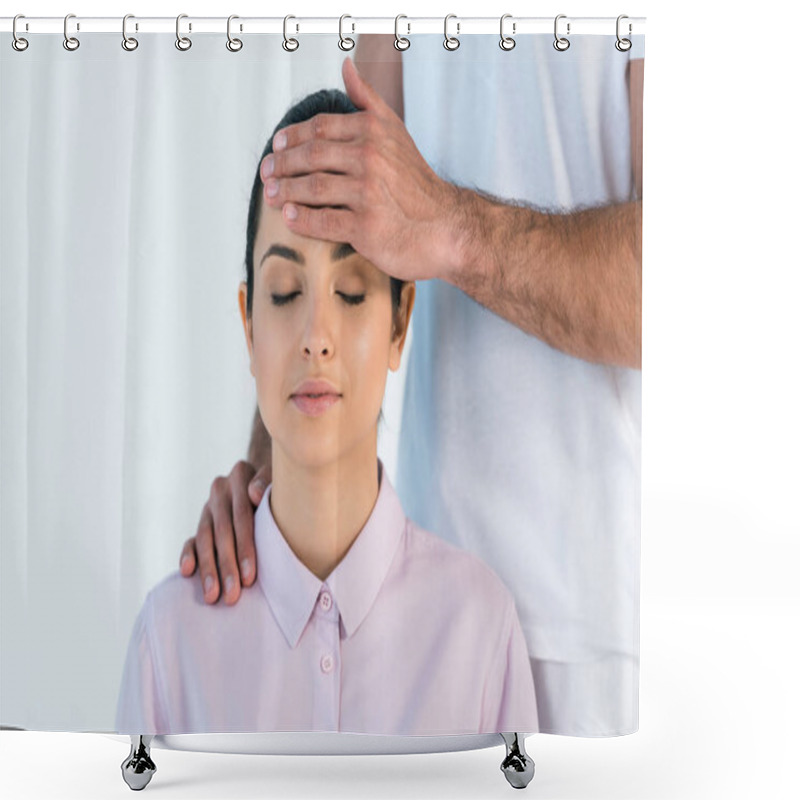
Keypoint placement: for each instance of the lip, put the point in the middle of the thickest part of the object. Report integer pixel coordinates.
(314, 397)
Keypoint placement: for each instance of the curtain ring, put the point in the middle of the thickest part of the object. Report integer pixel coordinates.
(128, 42)
(345, 43)
(400, 42)
(18, 43)
(507, 42)
(623, 45)
(182, 42)
(290, 45)
(560, 43)
(451, 42)
(234, 45)
(70, 42)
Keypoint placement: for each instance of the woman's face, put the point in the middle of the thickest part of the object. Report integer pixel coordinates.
(321, 337)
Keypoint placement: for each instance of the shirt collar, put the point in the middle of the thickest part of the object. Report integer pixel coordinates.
(292, 589)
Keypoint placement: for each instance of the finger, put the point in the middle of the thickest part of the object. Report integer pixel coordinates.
(360, 92)
(224, 542)
(314, 155)
(317, 189)
(204, 545)
(330, 224)
(243, 528)
(333, 127)
(188, 560)
(259, 485)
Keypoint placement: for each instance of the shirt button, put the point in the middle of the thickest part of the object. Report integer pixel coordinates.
(325, 601)
(326, 663)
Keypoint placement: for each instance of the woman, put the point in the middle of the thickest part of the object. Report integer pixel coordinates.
(364, 622)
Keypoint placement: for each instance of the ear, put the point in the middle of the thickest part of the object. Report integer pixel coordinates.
(246, 322)
(402, 320)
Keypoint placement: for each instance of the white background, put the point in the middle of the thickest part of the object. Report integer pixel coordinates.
(721, 448)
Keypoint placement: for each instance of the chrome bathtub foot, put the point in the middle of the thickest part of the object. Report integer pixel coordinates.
(138, 768)
(517, 766)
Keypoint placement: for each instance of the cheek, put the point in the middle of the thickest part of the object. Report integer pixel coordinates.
(367, 351)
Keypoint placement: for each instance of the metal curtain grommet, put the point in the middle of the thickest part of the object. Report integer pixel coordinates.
(182, 42)
(507, 42)
(345, 42)
(623, 45)
(560, 43)
(18, 43)
(234, 45)
(70, 42)
(128, 42)
(451, 42)
(290, 45)
(400, 42)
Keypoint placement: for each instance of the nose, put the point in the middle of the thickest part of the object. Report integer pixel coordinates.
(318, 336)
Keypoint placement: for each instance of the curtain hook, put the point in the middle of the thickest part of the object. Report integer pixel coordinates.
(507, 42)
(234, 45)
(400, 42)
(128, 42)
(290, 45)
(182, 42)
(451, 42)
(623, 45)
(561, 43)
(345, 43)
(18, 43)
(70, 42)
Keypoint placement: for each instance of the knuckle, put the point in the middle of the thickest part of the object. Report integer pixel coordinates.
(316, 150)
(317, 183)
(318, 126)
(241, 470)
(219, 486)
(326, 221)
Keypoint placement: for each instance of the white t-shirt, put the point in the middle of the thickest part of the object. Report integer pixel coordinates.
(524, 455)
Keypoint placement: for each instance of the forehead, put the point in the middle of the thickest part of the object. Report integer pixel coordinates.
(272, 231)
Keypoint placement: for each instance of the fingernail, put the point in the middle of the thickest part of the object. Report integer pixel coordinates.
(267, 166)
(229, 582)
(247, 569)
(291, 211)
(272, 187)
(279, 142)
(184, 561)
(259, 486)
(208, 584)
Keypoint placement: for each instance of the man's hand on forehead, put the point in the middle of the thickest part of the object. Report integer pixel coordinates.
(359, 178)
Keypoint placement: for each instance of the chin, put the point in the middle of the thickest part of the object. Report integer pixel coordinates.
(314, 449)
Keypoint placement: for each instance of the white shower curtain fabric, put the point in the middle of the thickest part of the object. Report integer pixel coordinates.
(126, 385)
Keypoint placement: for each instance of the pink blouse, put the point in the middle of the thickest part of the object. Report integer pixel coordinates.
(409, 635)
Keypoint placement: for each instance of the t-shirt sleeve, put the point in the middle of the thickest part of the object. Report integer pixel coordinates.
(510, 703)
(139, 706)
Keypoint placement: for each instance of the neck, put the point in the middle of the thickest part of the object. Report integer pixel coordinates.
(321, 510)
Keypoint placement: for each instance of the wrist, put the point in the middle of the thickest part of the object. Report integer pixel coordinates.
(469, 225)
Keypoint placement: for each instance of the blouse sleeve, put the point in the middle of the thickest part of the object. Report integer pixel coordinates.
(511, 708)
(139, 708)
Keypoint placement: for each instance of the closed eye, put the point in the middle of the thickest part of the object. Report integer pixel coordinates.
(283, 299)
(352, 299)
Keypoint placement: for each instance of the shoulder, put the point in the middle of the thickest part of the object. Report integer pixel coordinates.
(460, 574)
(175, 592)
(175, 608)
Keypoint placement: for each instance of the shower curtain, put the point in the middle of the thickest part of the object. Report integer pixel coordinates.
(508, 458)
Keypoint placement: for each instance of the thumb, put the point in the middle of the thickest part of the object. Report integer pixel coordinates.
(359, 91)
(258, 485)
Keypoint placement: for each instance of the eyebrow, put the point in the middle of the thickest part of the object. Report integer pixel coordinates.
(341, 251)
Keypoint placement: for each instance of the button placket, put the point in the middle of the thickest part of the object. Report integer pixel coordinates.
(328, 694)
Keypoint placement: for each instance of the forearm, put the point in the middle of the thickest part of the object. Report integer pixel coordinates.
(572, 280)
(259, 452)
